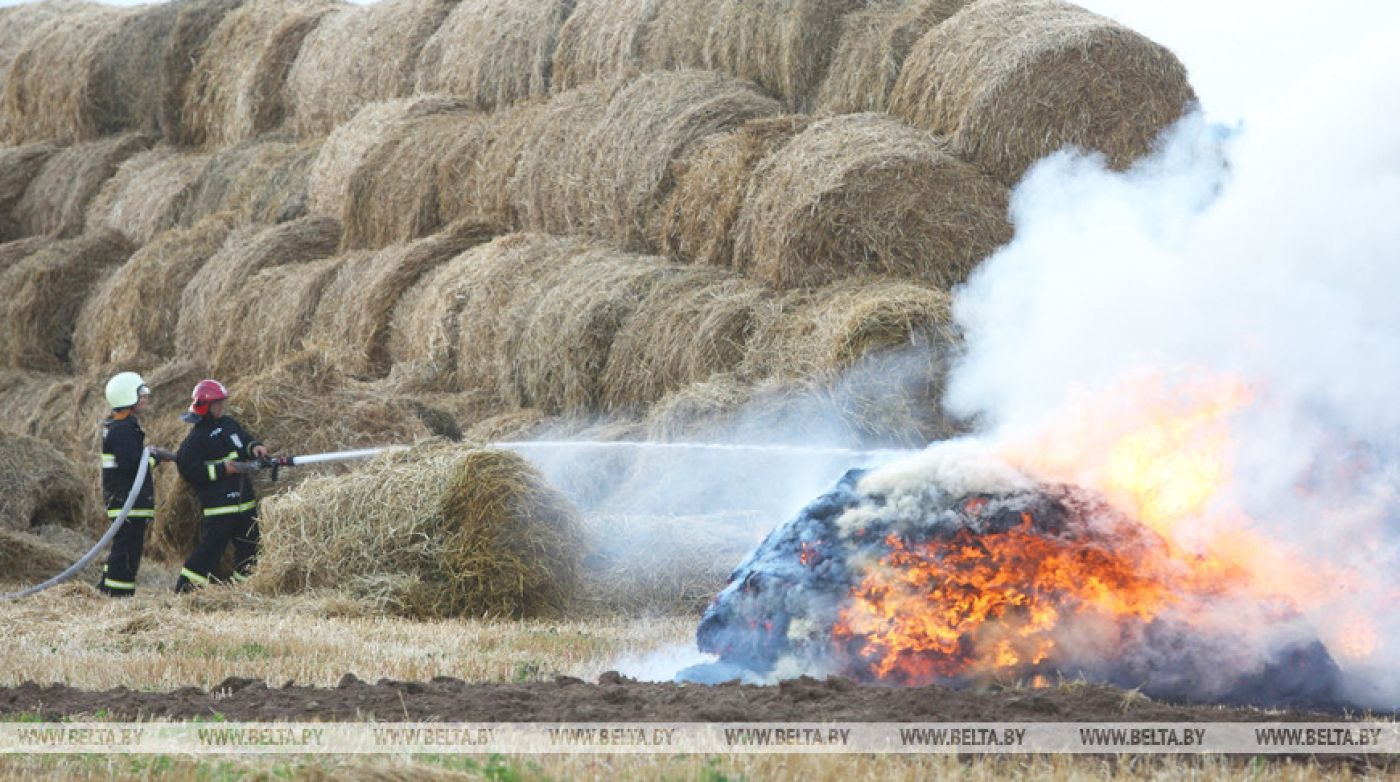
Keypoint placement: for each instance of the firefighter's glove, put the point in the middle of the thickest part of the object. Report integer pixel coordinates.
(245, 468)
(162, 455)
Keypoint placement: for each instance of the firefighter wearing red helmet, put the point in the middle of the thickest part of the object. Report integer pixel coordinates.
(218, 459)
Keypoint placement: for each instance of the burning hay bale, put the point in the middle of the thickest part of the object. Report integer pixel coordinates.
(133, 315)
(696, 222)
(237, 88)
(42, 485)
(873, 44)
(325, 87)
(691, 326)
(953, 568)
(437, 531)
(601, 41)
(55, 85)
(40, 297)
(18, 167)
(147, 194)
(624, 150)
(1010, 81)
(209, 303)
(493, 52)
(864, 193)
(353, 316)
(57, 199)
(265, 180)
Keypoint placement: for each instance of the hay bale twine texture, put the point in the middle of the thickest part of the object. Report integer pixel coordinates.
(493, 52)
(134, 314)
(606, 172)
(18, 167)
(57, 199)
(870, 54)
(601, 41)
(237, 88)
(1010, 81)
(147, 194)
(42, 485)
(357, 55)
(864, 193)
(438, 531)
(41, 295)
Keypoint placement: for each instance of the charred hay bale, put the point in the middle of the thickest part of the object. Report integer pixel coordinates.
(601, 41)
(493, 52)
(209, 303)
(353, 318)
(437, 531)
(696, 221)
(55, 85)
(864, 193)
(605, 173)
(147, 194)
(357, 55)
(346, 147)
(133, 315)
(870, 53)
(265, 180)
(42, 485)
(18, 167)
(40, 297)
(13, 252)
(57, 199)
(397, 193)
(237, 88)
(552, 346)
(270, 314)
(1010, 81)
(690, 327)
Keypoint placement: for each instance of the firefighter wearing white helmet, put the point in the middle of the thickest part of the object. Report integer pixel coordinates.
(123, 443)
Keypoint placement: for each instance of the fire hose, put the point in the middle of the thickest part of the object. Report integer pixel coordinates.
(273, 462)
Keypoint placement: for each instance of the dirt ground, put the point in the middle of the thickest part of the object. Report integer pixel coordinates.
(614, 698)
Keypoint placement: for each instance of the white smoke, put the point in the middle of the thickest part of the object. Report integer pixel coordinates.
(1262, 243)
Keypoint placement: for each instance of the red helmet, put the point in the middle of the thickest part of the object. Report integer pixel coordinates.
(206, 391)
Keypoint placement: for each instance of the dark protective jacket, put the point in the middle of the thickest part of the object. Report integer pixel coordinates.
(122, 442)
(210, 443)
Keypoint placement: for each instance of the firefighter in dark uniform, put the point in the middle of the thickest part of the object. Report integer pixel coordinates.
(218, 459)
(123, 447)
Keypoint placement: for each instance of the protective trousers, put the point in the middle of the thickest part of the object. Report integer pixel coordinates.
(119, 574)
(219, 530)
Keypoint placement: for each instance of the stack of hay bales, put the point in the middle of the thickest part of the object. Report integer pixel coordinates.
(1011, 81)
(493, 52)
(147, 194)
(18, 167)
(358, 55)
(261, 181)
(438, 531)
(870, 55)
(56, 200)
(862, 194)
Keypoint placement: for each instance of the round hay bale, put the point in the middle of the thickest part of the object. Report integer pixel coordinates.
(554, 337)
(18, 22)
(195, 21)
(129, 89)
(18, 390)
(690, 327)
(325, 87)
(40, 297)
(54, 89)
(483, 192)
(601, 41)
(674, 34)
(134, 314)
(493, 52)
(504, 427)
(237, 88)
(870, 53)
(209, 304)
(42, 485)
(395, 193)
(18, 167)
(147, 194)
(346, 147)
(696, 222)
(1010, 81)
(27, 558)
(864, 193)
(270, 315)
(565, 175)
(438, 531)
(265, 180)
(353, 318)
(701, 411)
(13, 252)
(57, 199)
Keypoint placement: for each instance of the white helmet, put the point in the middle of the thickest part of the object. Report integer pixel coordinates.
(125, 389)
